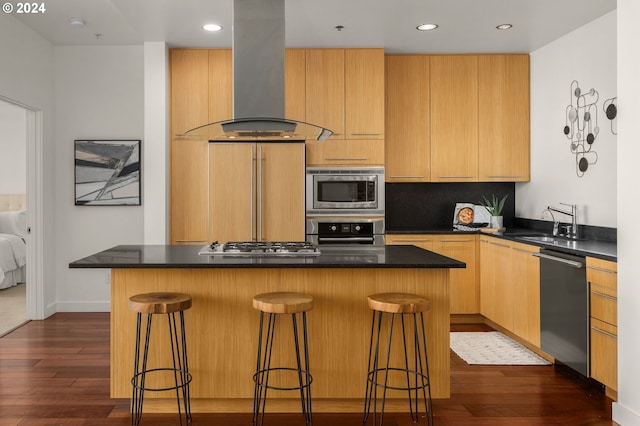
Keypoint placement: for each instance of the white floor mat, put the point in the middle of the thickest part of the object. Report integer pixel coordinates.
(492, 348)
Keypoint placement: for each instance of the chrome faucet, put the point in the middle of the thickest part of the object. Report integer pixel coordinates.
(555, 222)
(572, 232)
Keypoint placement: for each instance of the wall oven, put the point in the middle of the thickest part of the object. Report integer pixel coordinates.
(343, 231)
(345, 191)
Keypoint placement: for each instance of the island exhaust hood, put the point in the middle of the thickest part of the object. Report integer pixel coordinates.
(258, 80)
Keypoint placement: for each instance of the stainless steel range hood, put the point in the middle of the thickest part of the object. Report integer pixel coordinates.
(258, 80)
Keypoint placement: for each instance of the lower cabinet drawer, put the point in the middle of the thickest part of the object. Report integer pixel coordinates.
(604, 307)
(604, 353)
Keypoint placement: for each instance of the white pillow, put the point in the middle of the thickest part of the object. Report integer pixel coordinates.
(14, 222)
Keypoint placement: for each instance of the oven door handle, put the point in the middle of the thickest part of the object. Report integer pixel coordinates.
(559, 259)
(345, 239)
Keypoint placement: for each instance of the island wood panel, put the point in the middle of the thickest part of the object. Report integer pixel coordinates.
(222, 330)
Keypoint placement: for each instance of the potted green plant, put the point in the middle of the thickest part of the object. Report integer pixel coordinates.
(494, 206)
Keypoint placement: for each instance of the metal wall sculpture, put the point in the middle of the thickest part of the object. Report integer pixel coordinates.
(581, 126)
(610, 108)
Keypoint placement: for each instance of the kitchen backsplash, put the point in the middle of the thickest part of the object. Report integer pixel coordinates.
(415, 207)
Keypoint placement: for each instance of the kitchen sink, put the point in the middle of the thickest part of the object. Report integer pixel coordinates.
(552, 241)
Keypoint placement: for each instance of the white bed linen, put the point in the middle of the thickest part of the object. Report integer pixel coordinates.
(13, 256)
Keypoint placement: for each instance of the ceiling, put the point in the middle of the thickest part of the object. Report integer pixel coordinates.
(465, 26)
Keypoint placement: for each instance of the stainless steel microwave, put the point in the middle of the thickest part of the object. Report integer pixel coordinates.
(345, 191)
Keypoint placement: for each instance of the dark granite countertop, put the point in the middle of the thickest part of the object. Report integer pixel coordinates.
(584, 247)
(168, 256)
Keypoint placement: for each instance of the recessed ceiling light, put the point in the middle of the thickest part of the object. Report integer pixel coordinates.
(211, 27)
(504, 26)
(77, 22)
(427, 27)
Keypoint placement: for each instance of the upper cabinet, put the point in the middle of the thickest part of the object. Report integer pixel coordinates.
(345, 93)
(454, 118)
(294, 84)
(408, 134)
(503, 120)
(189, 89)
(470, 124)
(325, 89)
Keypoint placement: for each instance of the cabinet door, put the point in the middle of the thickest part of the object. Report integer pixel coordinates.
(220, 85)
(345, 153)
(281, 209)
(464, 290)
(454, 118)
(503, 122)
(525, 279)
(189, 89)
(189, 191)
(294, 84)
(232, 192)
(496, 290)
(325, 89)
(604, 353)
(407, 130)
(364, 93)
(422, 241)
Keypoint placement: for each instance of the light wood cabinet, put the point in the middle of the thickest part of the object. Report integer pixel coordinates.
(407, 119)
(525, 278)
(325, 93)
(364, 93)
(454, 118)
(503, 121)
(256, 192)
(345, 93)
(295, 84)
(602, 276)
(510, 286)
(189, 89)
(496, 292)
(464, 293)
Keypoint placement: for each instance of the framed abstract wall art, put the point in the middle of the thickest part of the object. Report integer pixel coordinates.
(107, 172)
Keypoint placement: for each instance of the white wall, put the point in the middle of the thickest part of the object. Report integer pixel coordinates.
(26, 76)
(627, 410)
(99, 94)
(587, 55)
(13, 149)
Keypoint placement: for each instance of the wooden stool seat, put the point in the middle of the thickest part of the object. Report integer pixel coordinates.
(398, 303)
(159, 303)
(283, 302)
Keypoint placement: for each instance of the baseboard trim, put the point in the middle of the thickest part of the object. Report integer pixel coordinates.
(624, 416)
(83, 307)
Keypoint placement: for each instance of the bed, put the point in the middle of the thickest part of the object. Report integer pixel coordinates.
(13, 248)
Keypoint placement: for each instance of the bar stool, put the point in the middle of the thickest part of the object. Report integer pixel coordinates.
(275, 304)
(161, 303)
(398, 304)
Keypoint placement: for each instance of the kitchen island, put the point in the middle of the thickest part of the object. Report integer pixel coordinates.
(222, 326)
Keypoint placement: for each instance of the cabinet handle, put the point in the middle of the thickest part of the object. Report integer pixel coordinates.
(498, 244)
(252, 193)
(606, 333)
(406, 177)
(603, 295)
(365, 134)
(504, 176)
(403, 240)
(456, 177)
(260, 189)
(346, 159)
(608, 271)
(523, 250)
(455, 241)
(190, 241)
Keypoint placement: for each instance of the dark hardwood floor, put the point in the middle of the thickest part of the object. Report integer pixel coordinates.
(56, 372)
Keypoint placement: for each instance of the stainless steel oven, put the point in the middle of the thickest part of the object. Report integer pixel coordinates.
(343, 231)
(345, 191)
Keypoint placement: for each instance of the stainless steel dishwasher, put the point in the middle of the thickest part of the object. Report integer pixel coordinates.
(564, 309)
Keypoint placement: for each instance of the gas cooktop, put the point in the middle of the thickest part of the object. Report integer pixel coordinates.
(260, 248)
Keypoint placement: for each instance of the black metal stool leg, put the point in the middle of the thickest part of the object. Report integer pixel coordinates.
(138, 380)
(427, 399)
(262, 372)
(305, 399)
(186, 391)
(306, 367)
